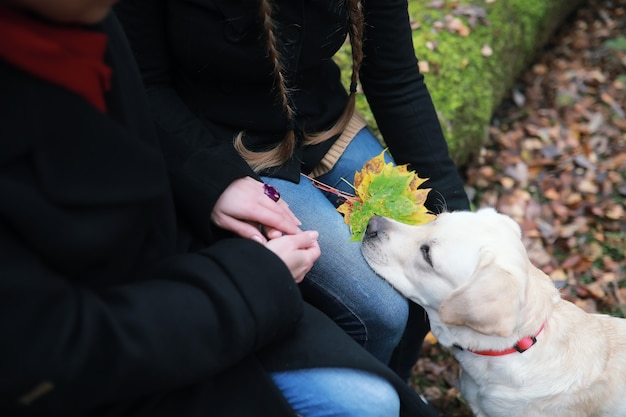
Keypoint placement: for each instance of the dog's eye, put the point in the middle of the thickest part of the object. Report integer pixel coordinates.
(426, 254)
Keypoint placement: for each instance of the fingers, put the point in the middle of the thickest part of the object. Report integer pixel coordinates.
(287, 211)
(310, 251)
(241, 228)
(304, 240)
(272, 233)
(244, 204)
(276, 215)
(299, 252)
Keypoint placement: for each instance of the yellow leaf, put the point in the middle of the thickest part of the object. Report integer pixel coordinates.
(396, 195)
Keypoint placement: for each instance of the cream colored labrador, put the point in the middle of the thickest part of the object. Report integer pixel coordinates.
(524, 351)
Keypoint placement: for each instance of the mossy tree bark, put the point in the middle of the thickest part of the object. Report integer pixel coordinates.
(471, 63)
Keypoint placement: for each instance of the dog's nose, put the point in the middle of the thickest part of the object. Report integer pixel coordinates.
(373, 226)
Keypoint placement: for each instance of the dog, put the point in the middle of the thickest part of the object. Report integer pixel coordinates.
(524, 351)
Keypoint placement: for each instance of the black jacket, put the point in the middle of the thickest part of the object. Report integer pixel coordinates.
(205, 66)
(104, 310)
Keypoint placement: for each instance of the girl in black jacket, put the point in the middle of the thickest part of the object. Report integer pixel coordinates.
(249, 90)
(107, 306)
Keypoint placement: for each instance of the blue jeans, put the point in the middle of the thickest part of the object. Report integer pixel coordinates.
(341, 283)
(337, 392)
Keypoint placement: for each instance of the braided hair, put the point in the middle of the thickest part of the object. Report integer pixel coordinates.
(282, 152)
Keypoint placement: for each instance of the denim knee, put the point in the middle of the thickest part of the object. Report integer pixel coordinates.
(337, 392)
(385, 329)
(365, 307)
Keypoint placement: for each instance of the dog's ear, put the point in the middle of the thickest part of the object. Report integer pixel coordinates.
(488, 303)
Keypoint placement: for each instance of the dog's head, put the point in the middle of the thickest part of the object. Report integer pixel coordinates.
(468, 269)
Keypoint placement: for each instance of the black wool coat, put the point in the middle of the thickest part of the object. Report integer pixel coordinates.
(104, 309)
(208, 75)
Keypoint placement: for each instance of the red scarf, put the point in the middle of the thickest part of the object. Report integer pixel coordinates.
(70, 57)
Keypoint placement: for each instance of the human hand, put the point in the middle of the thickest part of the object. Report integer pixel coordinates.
(298, 252)
(243, 208)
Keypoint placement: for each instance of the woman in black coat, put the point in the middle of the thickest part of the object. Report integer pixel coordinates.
(107, 306)
(262, 72)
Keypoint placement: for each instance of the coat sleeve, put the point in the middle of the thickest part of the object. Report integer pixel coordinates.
(68, 347)
(201, 163)
(402, 105)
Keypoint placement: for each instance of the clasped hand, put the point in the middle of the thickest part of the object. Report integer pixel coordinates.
(244, 209)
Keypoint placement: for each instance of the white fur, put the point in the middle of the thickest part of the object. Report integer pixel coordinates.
(482, 293)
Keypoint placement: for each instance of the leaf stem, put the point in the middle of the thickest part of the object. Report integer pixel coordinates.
(328, 188)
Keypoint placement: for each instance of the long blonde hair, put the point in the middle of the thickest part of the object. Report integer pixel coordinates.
(282, 152)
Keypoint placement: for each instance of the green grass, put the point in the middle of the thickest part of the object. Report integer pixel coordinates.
(465, 85)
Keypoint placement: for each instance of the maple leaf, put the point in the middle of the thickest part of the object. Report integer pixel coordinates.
(384, 189)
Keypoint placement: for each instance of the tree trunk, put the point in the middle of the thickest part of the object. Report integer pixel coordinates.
(472, 52)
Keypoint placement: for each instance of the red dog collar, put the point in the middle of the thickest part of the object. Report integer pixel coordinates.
(521, 346)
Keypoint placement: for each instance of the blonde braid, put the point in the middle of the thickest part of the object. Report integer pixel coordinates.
(280, 154)
(357, 24)
(274, 55)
